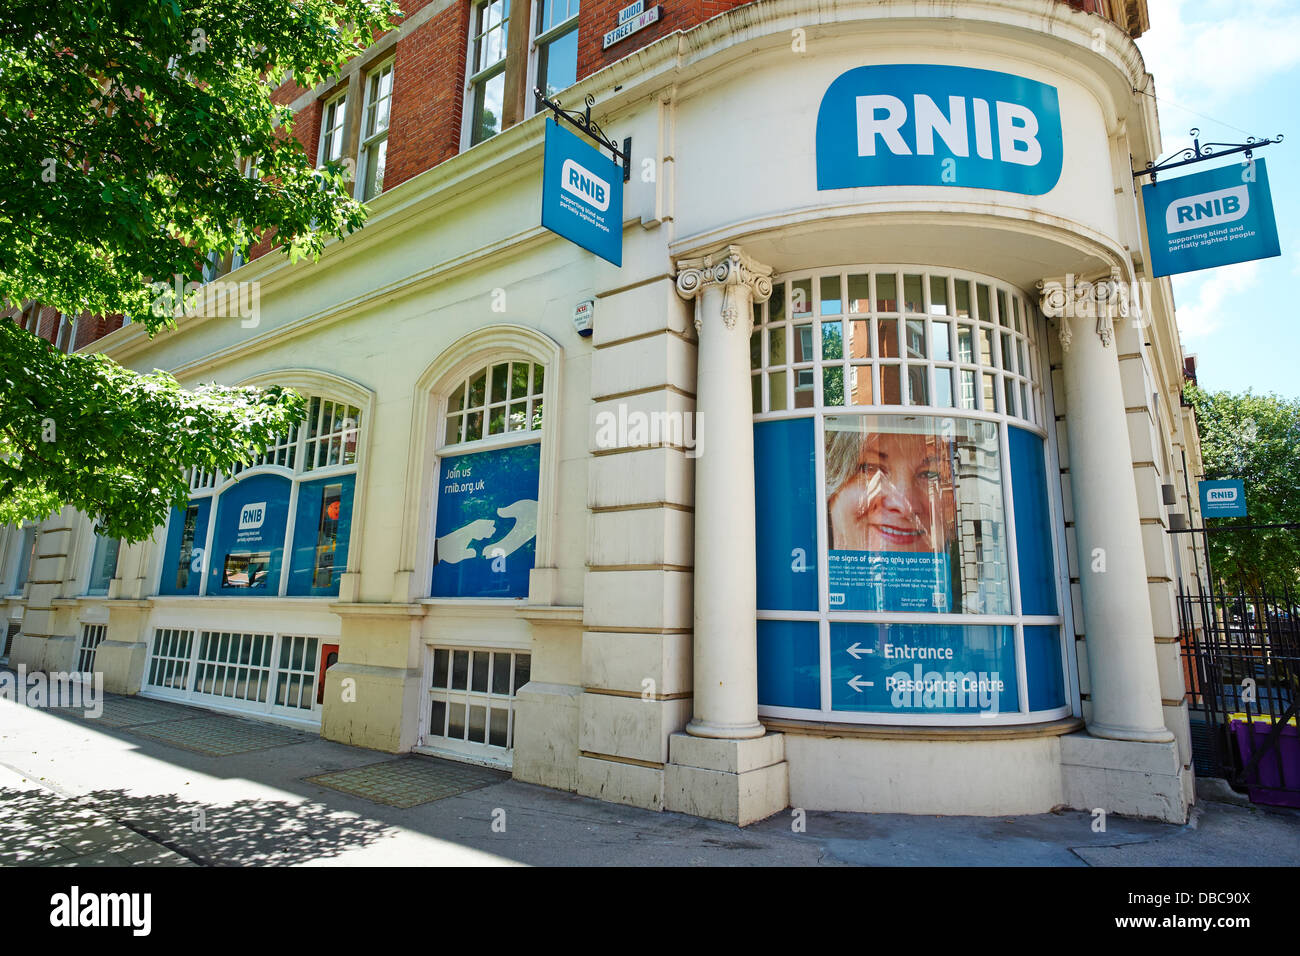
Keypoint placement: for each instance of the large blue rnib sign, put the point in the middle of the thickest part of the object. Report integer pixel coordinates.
(1223, 499)
(582, 194)
(487, 523)
(1209, 219)
(924, 125)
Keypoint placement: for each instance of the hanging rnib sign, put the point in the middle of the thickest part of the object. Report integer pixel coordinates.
(1223, 499)
(1209, 219)
(582, 194)
(924, 125)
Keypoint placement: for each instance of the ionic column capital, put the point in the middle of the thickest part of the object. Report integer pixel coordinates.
(1100, 296)
(742, 280)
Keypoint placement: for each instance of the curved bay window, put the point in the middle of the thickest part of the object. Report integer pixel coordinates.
(232, 537)
(485, 525)
(906, 547)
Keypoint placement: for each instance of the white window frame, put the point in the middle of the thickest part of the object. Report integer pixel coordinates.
(1033, 419)
(212, 485)
(190, 694)
(485, 754)
(339, 100)
(94, 541)
(543, 37)
(67, 334)
(473, 78)
(509, 439)
(372, 82)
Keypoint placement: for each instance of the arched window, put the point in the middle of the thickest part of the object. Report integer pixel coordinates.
(297, 497)
(486, 512)
(907, 535)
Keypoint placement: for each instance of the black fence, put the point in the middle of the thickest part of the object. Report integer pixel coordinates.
(1241, 660)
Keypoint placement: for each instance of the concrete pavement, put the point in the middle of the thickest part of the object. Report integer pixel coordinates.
(153, 783)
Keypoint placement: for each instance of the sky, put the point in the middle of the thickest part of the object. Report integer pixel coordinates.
(1232, 69)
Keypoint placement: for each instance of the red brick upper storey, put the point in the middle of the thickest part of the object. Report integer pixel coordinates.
(433, 86)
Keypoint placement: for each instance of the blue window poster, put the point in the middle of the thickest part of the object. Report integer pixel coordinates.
(915, 515)
(187, 534)
(322, 530)
(252, 518)
(785, 497)
(929, 125)
(1209, 219)
(486, 527)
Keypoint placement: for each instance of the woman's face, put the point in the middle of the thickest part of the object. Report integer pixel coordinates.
(899, 497)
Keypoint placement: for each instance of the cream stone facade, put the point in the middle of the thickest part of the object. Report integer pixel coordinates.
(635, 675)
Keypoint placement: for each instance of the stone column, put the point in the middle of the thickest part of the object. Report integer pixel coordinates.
(726, 288)
(724, 766)
(1123, 677)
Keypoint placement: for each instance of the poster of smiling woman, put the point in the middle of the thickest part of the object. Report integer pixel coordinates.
(915, 515)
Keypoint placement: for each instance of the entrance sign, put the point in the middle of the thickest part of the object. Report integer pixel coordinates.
(1223, 499)
(582, 194)
(924, 125)
(1209, 219)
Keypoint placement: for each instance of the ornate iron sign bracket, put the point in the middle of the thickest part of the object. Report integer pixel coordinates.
(583, 123)
(1196, 153)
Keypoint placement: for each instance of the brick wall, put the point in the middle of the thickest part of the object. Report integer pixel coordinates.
(598, 17)
(428, 92)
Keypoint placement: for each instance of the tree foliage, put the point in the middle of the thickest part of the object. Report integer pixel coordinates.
(125, 125)
(1255, 438)
(126, 131)
(81, 430)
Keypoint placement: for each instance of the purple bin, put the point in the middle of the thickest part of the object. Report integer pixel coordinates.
(1267, 778)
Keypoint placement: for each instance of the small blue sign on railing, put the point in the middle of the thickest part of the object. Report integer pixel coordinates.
(582, 194)
(1209, 219)
(1223, 499)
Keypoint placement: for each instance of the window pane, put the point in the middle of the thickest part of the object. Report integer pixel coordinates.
(965, 344)
(776, 346)
(501, 674)
(776, 397)
(890, 385)
(832, 340)
(943, 387)
(859, 340)
(803, 388)
(859, 294)
(938, 295)
(860, 385)
(558, 63)
(939, 341)
(963, 297)
(912, 294)
(776, 304)
(440, 659)
(460, 670)
(830, 295)
(887, 338)
(918, 392)
(500, 722)
(915, 338)
(479, 672)
(833, 386)
(886, 292)
(489, 95)
(376, 160)
(801, 297)
(803, 343)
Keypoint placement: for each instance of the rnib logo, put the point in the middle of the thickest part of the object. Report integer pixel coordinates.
(252, 515)
(1208, 209)
(585, 184)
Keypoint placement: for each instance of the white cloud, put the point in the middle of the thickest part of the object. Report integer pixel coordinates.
(1216, 299)
(1203, 53)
